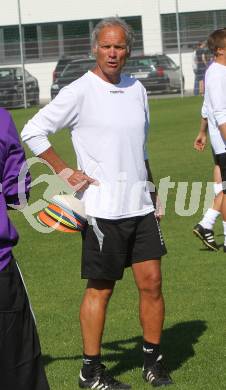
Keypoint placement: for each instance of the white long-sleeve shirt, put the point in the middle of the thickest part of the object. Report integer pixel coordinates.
(214, 105)
(108, 125)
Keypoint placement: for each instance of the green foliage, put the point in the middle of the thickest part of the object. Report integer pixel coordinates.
(193, 339)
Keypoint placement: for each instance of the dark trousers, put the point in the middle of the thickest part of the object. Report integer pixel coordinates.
(196, 85)
(21, 366)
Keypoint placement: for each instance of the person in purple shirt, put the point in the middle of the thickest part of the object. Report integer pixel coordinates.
(21, 366)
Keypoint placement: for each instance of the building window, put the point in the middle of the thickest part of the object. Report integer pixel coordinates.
(136, 24)
(76, 37)
(49, 41)
(11, 42)
(30, 41)
(194, 27)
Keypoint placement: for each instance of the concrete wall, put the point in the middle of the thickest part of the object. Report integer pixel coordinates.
(33, 11)
(169, 6)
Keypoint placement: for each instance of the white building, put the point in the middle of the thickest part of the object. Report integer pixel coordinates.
(54, 28)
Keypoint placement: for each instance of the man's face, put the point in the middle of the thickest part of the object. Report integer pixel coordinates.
(111, 53)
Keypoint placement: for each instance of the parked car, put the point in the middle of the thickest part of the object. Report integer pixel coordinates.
(153, 79)
(11, 88)
(158, 73)
(62, 63)
(171, 70)
(167, 76)
(71, 72)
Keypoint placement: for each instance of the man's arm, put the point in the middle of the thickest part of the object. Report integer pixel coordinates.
(16, 178)
(222, 128)
(60, 113)
(153, 190)
(77, 179)
(154, 193)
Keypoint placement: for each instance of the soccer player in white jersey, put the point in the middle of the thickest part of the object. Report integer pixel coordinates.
(214, 109)
(108, 115)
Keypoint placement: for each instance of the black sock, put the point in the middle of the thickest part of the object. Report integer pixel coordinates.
(151, 353)
(89, 363)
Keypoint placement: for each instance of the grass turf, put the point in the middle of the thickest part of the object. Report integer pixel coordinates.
(194, 333)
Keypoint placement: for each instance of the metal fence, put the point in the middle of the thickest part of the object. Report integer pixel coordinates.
(36, 48)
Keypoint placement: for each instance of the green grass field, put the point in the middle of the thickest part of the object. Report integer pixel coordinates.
(194, 335)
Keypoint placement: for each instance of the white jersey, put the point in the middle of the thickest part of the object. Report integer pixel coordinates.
(108, 125)
(214, 106)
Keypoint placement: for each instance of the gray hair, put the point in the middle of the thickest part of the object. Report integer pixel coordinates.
(113, 21)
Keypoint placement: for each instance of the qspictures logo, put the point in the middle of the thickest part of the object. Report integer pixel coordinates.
(188, 197)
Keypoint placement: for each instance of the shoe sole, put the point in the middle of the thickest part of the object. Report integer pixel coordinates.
(209, 246)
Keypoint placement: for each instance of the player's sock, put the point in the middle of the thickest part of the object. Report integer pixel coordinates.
(224, 227)
(217, 188)
(209, 219)
(88, 363)
(151, 353)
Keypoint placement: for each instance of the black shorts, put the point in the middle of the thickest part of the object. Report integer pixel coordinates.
(21, 367)
(221, 161)
(111, 245)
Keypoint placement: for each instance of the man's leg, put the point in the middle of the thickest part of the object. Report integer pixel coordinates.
(93, 312)
(223, 207)
(223, 211)
(92, 320)
(204, 229)
(217, 202)
(196, 85)
(220, 202)
(201, 87)
(221, 160)
(147, 275)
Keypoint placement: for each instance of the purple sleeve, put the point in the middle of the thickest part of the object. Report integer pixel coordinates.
(14, 181)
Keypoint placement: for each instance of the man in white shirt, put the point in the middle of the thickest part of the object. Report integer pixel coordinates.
(214, 109)
(108, 115)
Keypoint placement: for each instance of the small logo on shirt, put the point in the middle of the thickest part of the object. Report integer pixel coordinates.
(117, 91)
(148, 350)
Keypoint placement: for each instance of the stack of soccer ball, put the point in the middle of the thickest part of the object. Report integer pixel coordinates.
(65, 213)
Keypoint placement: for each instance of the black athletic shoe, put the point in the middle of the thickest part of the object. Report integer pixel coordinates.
(157, 374)
(101, 380)
(207, 237)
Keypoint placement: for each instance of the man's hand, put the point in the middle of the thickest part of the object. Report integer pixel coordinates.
(200, 142)
(77, 179)
(201, 139)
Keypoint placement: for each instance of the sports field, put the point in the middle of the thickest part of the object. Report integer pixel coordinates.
(194, 337)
